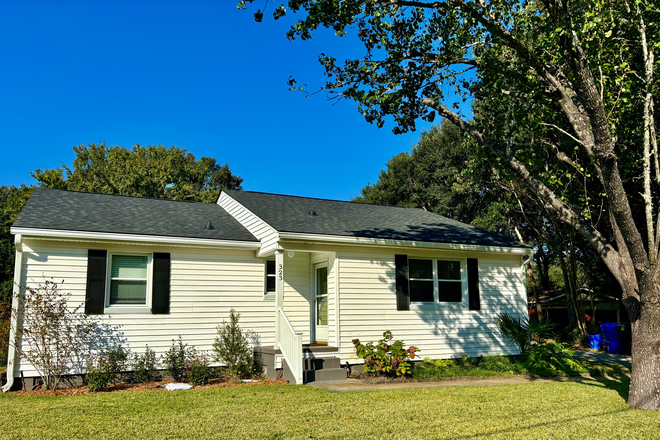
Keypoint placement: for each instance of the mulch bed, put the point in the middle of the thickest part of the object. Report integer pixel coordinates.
(82, 390)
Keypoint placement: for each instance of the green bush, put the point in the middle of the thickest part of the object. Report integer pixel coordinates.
(386, 358)
(96, 378)
(569, 335)
(107, 369)
(550, 358)
(176, 358)
(198, 368)
(145, 366)
(114, 362)
(232, 347)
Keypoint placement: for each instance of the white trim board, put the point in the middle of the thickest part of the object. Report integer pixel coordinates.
(338, 239)
(65, 235)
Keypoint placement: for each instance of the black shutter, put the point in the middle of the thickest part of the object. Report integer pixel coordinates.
(95, 293)
(402, 287)
(473, 283)
(161, 284)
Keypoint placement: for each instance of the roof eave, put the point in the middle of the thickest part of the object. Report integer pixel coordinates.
(368, 241)
(131, 238)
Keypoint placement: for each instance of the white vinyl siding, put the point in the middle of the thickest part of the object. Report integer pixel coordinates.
(260, 229)
(205, 285)
(368, 307)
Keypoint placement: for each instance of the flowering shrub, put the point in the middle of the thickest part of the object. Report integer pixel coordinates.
(387, 357)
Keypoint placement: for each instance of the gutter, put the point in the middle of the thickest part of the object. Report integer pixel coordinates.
(345, 240)
(12, 356)
(132, 238)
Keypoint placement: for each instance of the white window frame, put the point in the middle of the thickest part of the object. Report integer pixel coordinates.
(436, 290)
(269, 295)
(128, 308)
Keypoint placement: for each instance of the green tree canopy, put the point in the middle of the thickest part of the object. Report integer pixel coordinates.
(152, 171)
(441, 174)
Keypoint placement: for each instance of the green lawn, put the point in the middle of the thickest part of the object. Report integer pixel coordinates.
(584, 410)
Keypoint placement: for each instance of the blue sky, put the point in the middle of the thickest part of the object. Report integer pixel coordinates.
(200, 75)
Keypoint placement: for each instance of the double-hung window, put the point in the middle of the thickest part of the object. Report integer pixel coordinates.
(128, 281)
(434, 281)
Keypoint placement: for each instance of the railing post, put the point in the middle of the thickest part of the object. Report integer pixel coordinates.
(279, 294)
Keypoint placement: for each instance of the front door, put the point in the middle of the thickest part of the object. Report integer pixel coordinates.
(321, 304)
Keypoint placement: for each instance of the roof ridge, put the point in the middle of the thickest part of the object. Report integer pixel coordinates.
(326, 200)
(122, 195)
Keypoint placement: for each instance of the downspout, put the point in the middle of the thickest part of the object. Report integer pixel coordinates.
(12, 358)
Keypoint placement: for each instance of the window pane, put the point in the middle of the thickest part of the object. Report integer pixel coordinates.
(129, 266)
(128, 292)
(322, 310)
(322, 281)
(449, 270)
(270, 267)
(450, 291)
(270, 284)
(421, 291)
(420, 269)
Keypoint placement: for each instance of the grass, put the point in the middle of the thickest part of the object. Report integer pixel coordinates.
(584, 409)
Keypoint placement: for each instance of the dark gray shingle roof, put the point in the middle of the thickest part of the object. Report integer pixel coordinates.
(77, 211)
(333, 217)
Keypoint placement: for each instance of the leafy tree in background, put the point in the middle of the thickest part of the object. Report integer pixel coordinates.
(580, 76)
(443, 175)
(152, 171)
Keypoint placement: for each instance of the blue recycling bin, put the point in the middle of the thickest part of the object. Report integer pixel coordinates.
(595, 341)
(612, 339)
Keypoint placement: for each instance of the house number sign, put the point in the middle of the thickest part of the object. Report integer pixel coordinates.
(280, 273)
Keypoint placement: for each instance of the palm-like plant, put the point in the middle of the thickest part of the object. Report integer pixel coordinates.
(520, 331)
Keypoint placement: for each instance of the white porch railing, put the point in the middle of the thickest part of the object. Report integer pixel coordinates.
(290, 345)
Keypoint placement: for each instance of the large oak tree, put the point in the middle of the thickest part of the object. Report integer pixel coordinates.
(576, 82)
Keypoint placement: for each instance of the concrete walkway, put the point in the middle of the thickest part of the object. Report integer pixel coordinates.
(598, 356)
(358, 385)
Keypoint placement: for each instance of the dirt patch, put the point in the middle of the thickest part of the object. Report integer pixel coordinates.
(81, 390)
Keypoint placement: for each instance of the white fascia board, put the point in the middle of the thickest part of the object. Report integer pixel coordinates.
(339, 239)
(131, 238)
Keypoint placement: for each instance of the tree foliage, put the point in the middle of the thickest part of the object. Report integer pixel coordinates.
(152, 171)
(568, 93)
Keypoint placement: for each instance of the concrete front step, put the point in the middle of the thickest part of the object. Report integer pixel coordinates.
(330, 374)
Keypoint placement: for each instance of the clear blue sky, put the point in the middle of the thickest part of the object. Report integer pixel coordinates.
(200, 75)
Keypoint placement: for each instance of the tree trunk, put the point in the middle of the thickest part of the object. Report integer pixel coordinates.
(645, 377)
(535, 289)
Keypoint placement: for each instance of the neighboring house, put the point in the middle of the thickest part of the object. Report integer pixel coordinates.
(307, 275)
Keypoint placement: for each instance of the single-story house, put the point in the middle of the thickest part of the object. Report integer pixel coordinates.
(306, 275)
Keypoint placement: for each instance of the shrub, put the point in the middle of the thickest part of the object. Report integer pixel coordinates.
(51, 332)
(386, 358)
(569, 335)
(465, 361)
(175, 359)
(145, 366)
(500, 364)
(521, 331)
(114, 361)
(548, 358)
(108, 368)
(231, 347)
(198, 368)
(96, 378)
